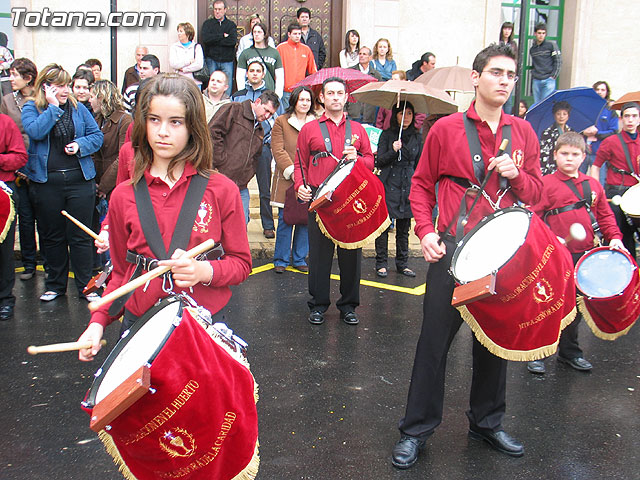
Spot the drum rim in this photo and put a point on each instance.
(478, 226)
(593, 251)
(122, 343)
(339, 167)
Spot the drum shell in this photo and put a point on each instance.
(534, 300)
(205, 398)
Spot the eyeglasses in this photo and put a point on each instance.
(497, 73)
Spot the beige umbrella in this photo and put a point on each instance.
(626, 98)
(390, 93)
(450, 79)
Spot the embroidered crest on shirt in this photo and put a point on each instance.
(518, 158)
(203, 217)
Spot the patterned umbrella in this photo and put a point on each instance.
(450, 79)
(354, 78)
(390, 93)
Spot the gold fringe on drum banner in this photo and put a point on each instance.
(514, 355)
(10, 218)
(582, 307)
(353, 246)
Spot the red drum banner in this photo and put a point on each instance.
(535, 290)
(357, 212)
(7, 211)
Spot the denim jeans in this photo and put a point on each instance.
(284, 101)
(543, 88)
(283, 249)
(226, 67)
(244, 195)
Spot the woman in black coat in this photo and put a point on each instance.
(397, 160)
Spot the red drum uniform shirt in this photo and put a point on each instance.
(310, 141)
(220, 217)
(611, 151)
(446, 152)
(556, 194)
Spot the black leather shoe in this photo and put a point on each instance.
(578, 363)
(350, 318)
(316, 317)
(405, 452)
(500, 441)
(537, 367)
(6, 312)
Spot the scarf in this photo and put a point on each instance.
(64, 129)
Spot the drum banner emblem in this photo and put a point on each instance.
(177, 442)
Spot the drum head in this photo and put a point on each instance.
(490, 244)
(140, 345)
(336, 178)
(603, 272)
(630, 201)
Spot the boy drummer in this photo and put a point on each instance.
(569, 197)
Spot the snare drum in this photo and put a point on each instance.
(608, 279)
(351, 207)
(195, 414)
(534, 296)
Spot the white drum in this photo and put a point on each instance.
(630, 201)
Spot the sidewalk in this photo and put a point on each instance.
(262, 247)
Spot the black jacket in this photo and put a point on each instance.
(545, 60)
(216, 45)
(316, 44)
(415, 71)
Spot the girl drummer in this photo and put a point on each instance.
(173, 146)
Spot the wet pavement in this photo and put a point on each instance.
(331, 395)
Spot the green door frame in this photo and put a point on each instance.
(530, 6)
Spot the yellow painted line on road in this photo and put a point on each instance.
(419, 290)
(40, 268)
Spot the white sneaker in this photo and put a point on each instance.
(92, 297)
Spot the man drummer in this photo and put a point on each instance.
(447, 161)
(622, 152)
(312, 168)
(570, 197)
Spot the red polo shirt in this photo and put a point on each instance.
(611, 151)
(556, 194)
(223, 221)
(12, 152)
(446, 152)
(310, 140)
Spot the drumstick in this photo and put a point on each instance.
(616, 199)
(61, 347)
(576, 232)
(304, 180)
(150, 275)
(81, 225)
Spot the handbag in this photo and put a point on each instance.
(295, 212)
(203, 74)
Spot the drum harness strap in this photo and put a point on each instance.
(327, 141)
(471, 133)
(627, 157)
(180, 238)
(583, 202)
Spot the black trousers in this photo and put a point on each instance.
(25, 206)
(7, 267)
(263, 176)
(320, 259)
(426, 393)
(568, 346)
(402, 245)
(62, 239)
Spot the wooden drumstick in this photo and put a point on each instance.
(81, 225)
(141, 280)
(61, 347)
(576, 232)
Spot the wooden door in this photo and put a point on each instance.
(326, 18)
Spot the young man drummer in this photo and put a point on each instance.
(173, 153)
(447, 161)
(569, 197)
(315, 169)
(621, 152)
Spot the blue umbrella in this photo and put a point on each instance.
(586, 106)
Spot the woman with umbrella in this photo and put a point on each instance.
(561, 111)
(399, 149)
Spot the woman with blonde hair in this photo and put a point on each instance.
(186, 56)
(113, 120)
(62, 137)
(383, 59)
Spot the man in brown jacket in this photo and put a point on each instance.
(237, 139)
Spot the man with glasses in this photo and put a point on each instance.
(545, 64)
(447, 160)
